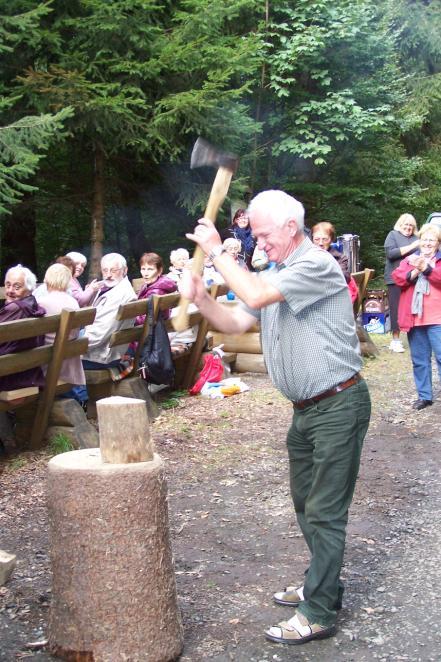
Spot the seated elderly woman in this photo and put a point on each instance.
(41, 290)
(178, 260)
(233, 247)
(84, 297)
(57, 280)
(323, 235)
(240, 229)
(20, 303)
(419, 309)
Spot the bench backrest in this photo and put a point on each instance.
(51, 355)
(160, 303)
(362, 279)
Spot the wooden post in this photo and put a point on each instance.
(113, 593)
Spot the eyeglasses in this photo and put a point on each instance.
(429, 241)
(114, 271)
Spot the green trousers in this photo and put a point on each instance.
(324, 449)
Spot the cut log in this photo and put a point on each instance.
(113, 592)
(7, 565)
(124, 430)
(248, 343)
(250, 363)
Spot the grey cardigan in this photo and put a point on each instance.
(394, 241)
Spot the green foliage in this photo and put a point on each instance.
(22, 145)
(336, 102)
(172, 399)
(60, 443)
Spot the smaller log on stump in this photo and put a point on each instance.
(114, 592)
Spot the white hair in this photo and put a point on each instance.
(280, 206)
(58, 277)
(233, 243)
(114, 257)
(179, 253)
(78, 258)
(30, 279)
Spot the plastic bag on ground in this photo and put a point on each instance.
(225, 388)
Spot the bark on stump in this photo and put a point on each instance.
(114, 592)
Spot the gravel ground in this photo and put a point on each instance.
(235, 539)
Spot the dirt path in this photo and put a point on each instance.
(234, 534)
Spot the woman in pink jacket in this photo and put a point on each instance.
(419, 309)
(84, 297)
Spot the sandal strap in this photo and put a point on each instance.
(294, 623)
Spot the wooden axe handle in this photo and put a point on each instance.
(218, 193)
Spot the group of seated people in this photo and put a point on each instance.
(61, 289)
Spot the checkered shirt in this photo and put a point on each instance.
(309, 340)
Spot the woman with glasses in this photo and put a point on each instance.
(240, 229)
(419, 311)
(400, 242)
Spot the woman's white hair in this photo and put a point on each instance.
(233, 243)
(58, 277)
(179, 253)
(30, 279)
(430, 228)
(78, 258)
(280, 206)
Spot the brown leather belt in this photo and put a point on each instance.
(327, 394)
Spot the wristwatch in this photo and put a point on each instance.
(215, 252)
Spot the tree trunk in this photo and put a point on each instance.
(97, 231)
(18, 236)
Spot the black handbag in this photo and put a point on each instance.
(156, 362)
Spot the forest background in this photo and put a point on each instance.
(335, 101)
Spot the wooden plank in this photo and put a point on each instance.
(28, 328)
(8, 396)
(125, 336)
(248, 343)
(249, 363)
(39, 326)
(31, 358)
(67, 319)
(130, 310)
(362, 279)
(198, 345)
(193, 319)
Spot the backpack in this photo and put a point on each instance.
(156, 362)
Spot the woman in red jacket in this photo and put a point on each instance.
(419, 310)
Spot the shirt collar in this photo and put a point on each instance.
(301, 249)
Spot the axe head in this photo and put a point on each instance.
(205, 154)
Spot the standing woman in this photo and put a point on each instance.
(240, 229)
(400, 242)
(419, 312)
(323, 235)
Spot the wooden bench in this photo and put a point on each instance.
(100, 383)
(362, 279)
(50, 355)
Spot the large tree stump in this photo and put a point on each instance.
(114, 593)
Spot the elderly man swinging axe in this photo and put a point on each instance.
(312, 354)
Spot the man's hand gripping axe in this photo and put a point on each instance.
(204, 154)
